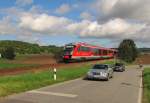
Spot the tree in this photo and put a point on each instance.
(127, 50)
(8, 53)
(58, 55)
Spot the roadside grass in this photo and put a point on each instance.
(20, 83)
(12, 66)
(28, 81)
(146, 82)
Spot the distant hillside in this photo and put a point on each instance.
(28, 48)
(144, 50)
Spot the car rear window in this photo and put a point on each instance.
(100, 67)
(118, 64)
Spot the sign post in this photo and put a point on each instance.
(55, 77)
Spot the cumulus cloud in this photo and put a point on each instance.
(24, 2)
(44, 23)
(114, 28)
(6, 27)
(132, 9)
(64, 8)
(86, 15)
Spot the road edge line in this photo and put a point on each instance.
(57, 84)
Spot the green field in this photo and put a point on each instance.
(12, 66)
(24, 82)
(20, 83)
(146, 81)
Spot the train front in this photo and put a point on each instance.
(68, 51)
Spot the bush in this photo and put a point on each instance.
(58, 55)
(8, 53)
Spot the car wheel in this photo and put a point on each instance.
(112, 76)
(85, 78)
(107, 79)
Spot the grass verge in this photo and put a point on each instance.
(29, 81)
(146, 82)
(20, 83)
(11, 65)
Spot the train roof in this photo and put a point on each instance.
(90, 45)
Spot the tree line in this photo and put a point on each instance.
(27, 48)
(127, 50)
(9, 49)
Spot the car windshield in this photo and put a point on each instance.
(100, 67)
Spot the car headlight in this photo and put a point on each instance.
(103, 74)
(89, 73)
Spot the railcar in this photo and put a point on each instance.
(84, 51)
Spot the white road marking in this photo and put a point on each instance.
(54, 93)
(140, 90)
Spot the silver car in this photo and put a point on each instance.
(100, 71)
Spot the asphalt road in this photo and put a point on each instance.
(124, 87)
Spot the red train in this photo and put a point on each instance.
(83, 51)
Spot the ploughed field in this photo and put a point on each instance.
(143, 59)
(33, 63)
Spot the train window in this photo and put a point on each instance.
(82, 48)
(100, 52)
(110, 52)
(95, 51)
(105, 52)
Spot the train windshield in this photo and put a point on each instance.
(68, 49)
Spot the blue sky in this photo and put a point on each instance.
(57, 22)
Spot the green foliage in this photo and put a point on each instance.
(146, 82)
(127, 50)
(144, 50)
(58, 55)
(27, 48)
(8, 53)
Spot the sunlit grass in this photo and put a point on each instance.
(146, 81)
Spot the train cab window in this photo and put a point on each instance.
(68, 49)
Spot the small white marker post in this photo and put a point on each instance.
(55, 74)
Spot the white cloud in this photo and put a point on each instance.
(64, 8)
(6, 27)
(24, 2)
(131, 9)
(86, 15)
(116, 28)
(44, 23)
